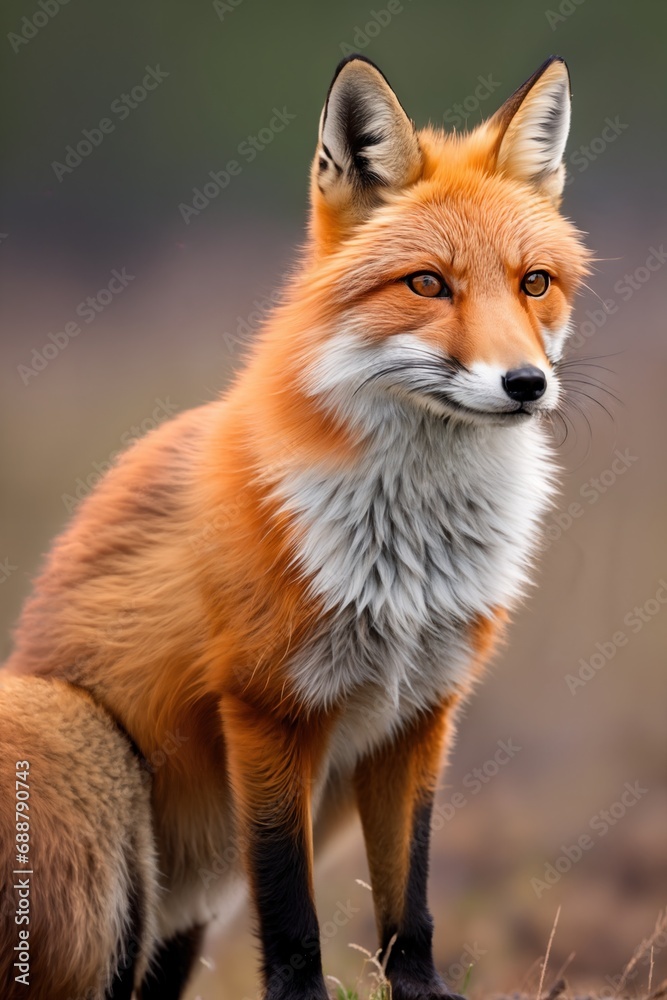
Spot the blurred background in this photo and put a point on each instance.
(127, 295)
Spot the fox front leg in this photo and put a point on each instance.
(171, 967)
(395, 789)
(271, 764)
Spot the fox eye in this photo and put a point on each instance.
(428, 284)
(535, 283)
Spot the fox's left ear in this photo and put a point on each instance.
(367, 147)
(533, 125)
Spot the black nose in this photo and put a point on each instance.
(525, 384)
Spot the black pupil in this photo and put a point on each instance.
(428, 282)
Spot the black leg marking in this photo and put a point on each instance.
(288, 928)
(410, 967)
(172, 966)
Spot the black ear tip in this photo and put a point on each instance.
(541, 70)
(356, 57)
(551, 60)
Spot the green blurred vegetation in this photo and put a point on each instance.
(227, 70)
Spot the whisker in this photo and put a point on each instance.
(569, 376)
(566, 365)
(584, 416)
(593, 292)
(557, 415)
(568, 424)
(598, 403)
(592, 384)
(593, 357)
(442, 367)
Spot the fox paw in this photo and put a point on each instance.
(410, 989)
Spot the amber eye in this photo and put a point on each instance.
(536, 283)
(428, 284)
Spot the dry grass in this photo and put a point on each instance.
(372, 983)
(561, 990)
(372, 978)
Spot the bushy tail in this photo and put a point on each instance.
(77, 861)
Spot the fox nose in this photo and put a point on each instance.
(525, 384)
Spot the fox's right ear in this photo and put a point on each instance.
(367, 146)
(533, 125)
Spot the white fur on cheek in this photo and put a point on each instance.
(555, 340)
(340, 376)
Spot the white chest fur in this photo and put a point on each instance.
(434, 527)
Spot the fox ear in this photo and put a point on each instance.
(533, 128)
(367, 146)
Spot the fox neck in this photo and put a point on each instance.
(431, 518)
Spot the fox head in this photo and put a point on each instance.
(441, 270)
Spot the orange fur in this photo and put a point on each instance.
(390, 785)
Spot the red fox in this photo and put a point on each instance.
(293, 587)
